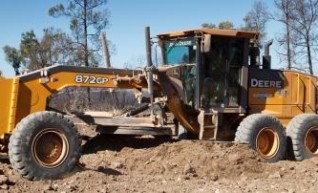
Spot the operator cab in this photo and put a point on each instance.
(211, 64)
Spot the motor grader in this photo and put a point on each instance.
(211, 83)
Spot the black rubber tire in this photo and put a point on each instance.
(297, 130)
(253, 125)
(28, 143)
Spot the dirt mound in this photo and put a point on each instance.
(202, 158)
(128, 164)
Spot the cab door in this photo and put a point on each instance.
(222, 75)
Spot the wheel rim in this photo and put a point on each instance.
(50, 148)
(311, 140)
(267, 142)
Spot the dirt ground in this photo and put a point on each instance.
(127, 164)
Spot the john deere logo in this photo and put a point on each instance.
(256, 83)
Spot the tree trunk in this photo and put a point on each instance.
(289, 57)
(86, 49)
(309, 55)
(85, 34)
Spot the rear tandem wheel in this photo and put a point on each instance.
(264, 134)
(303, 132)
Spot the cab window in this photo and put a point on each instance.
(179, 51)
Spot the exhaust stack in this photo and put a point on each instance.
(149, 68)
(267, 57)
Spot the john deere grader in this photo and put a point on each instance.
(210, 83)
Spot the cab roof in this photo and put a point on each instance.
(212, 31)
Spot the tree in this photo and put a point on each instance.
(304, 17)
(256, 19)
(13, 56)
(33, 57)
(288, 38)
(222, 25)
(300, 18)
(54, 47)
(87, 19)
(0, 73)
(226, 25)
(58, 47)
(208, 25)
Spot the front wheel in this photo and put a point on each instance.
(44, 145)
(265, 134)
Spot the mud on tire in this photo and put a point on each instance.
(265, 134)
(44, 145)
(303, 133)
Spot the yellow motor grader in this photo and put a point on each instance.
(210, 83)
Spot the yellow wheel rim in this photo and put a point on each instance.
(50, 148)
(267, 142)
(311, 140)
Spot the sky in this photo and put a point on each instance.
(128, 19)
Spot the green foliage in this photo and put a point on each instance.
(87, 19)
(13, 56)
(226, 25)
(222, 25)
(54, 47)
(208, 25)
(31, 51)
(39, 53)
(57, 10)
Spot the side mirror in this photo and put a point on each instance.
(206, 43)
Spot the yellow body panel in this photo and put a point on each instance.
(298, 95)
(8, 104)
